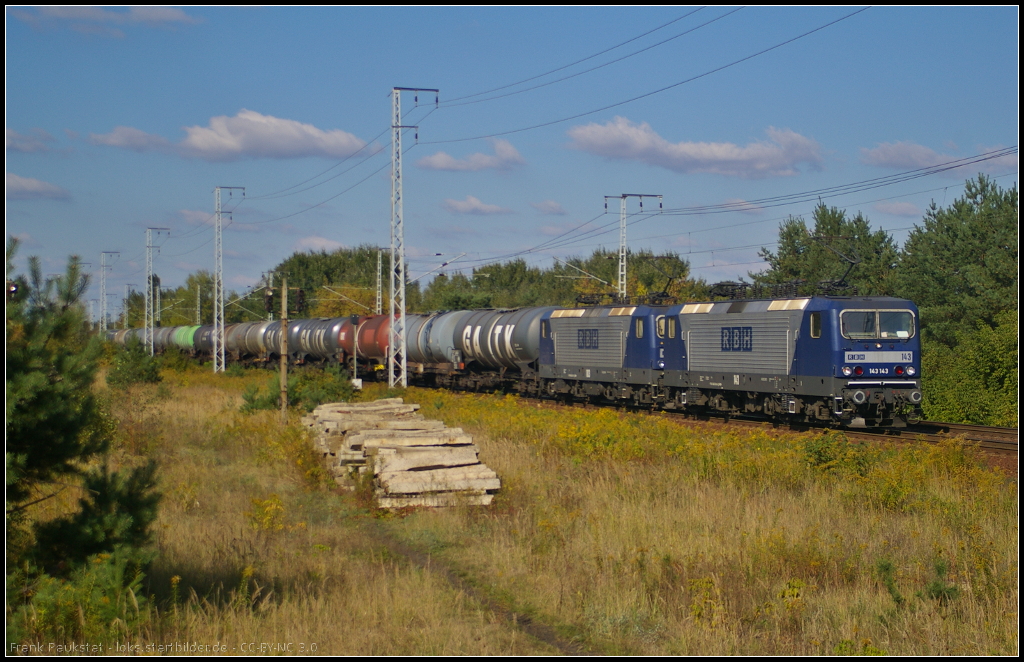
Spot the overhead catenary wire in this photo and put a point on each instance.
(651, 93)
(573, 64)
(451, 104)
(563, 240)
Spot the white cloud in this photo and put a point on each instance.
(505, 157)
(195, 216)
(246, 135)
(744, 207)
(26, 240)
(315, 244)
(549, 208)
(1001, 164)
(472, 205)
(252, 135)
(26, 188)
(903, 155)
(97, 21)
(35, 142)
(626, 140)
(898, 208)
(127, 137)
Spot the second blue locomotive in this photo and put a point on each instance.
(850, 360)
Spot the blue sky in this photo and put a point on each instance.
(121, 119)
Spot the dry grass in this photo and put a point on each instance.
(256, 552)
(642, 537)
(626, 532)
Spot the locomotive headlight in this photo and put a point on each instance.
(847, 371)
(911, 371)
(661, 364)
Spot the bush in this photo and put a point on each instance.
(307, 388)
(175, 359)
(133, 365)
(100, 600)
(977, 381)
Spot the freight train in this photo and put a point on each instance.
(843, 361)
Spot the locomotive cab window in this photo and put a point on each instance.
(544, 329)
(877, 324)
(815, 325)
(659, 324)
(639, 327)
(671, 327)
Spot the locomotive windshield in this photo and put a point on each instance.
(877, 324)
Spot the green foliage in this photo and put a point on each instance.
(174, 358)
(887, 574)
(802, 257)
(355, 267)
(961, 267)
(53, 420)
(307, 388)
(938, 589)
(132, 364)
(102, 599)
(513, 284)
(56, 430)
(976, 381)
(833, 453)
(115, 513)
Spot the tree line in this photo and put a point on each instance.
(959, 265)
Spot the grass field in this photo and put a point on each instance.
(624, 532)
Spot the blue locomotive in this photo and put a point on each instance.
(849, 361)
(854, 361)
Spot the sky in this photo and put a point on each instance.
(123, 119)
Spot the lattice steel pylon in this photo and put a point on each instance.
(150, 318)
(103, 289)
(397, 362)
(219, 349)
(379, 308)
(621, 290)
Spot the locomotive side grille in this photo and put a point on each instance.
(765, 349)
(604, 343)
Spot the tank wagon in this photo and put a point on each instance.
(847, 361)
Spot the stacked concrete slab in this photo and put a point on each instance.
(414, 461)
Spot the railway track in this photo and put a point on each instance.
(991, 439)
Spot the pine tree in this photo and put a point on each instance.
(56, 430)
(816, 258)
(960, 267)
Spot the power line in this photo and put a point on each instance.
(573, 64)
(648, 94)
(563, 240)
(600, 66)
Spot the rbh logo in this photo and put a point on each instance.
(586, 339)
(737, 339)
